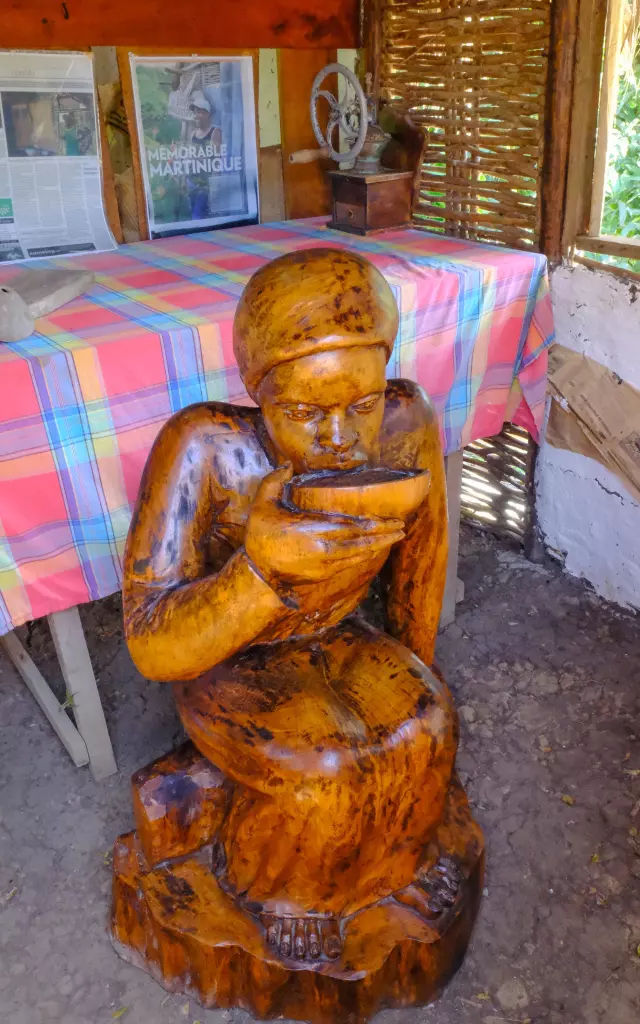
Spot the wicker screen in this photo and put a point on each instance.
(473, 73)
(497, 483)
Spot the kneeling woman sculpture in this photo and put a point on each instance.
(310, 852)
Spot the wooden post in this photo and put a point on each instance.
(608, 105)
(557, 131)
(584, 120)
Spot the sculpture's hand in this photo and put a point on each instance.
(304, 547)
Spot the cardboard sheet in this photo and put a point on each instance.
(595, 413)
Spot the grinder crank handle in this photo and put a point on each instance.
(308, 156)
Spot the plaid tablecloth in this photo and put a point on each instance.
(83, 398)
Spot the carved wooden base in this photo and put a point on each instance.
(172, 917)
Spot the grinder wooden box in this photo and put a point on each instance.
(363, 203)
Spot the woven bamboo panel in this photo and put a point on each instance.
(497, 483)
(473, 73)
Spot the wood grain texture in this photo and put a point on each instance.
(272, 206)
(362, 204)
(306, 186)
(179, 924)
(179, 803)
(331, 847)
(111, 208)
(37, 25)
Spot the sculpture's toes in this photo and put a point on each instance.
(303, 937)
(417, 899)
(435, 891)
(274, 928)
(448, 872)
(314, 941)
(331, 939)
(442, 883)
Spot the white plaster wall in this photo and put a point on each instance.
(586, 515)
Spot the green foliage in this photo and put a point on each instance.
(153, 89)
(621, 214)
(168, 194)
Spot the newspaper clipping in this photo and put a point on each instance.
(50, 180)
(197, 131)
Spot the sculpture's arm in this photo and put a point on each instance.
(179, 621)
(416, 571)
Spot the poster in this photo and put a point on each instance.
(50, 179)
(197, 135)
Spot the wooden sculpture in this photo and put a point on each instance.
(309, 853)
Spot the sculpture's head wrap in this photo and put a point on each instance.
(310, 301)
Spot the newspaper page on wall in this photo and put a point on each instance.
(197, 135)
(50, 178)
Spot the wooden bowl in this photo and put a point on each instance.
(382, 492)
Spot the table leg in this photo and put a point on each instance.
(73, 655)
(454, 588)
(54, 712)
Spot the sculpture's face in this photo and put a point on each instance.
(325, 411)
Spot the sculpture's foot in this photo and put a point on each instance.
(435, 891)
(176, 922)
(304, 938)
(433, 895)
(172, 917)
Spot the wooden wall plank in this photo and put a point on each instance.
(306, 186)
(111, 208)
(124, 68)
(75, 24)
(271, 185)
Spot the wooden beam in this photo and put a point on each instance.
(76, 24)
(608, 105)
(631, 276)
(557, 130)
(610, 245)
(111, 208)
(584, 119)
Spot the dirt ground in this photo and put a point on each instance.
(547, 681)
